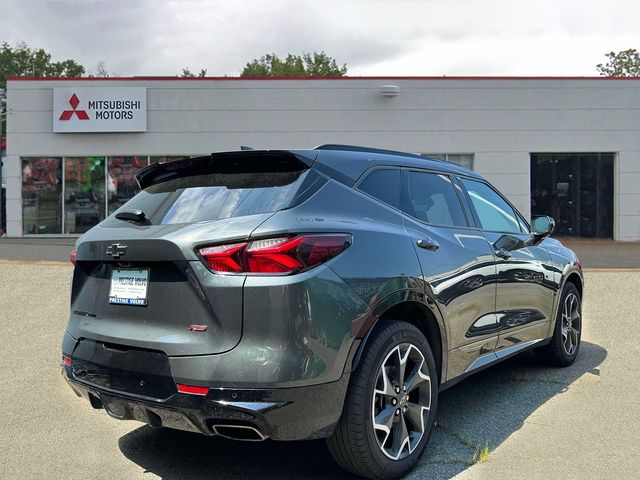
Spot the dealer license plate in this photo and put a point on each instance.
(129, 286)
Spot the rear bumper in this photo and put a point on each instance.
(299, 413)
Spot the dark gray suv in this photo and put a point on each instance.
(305, 294)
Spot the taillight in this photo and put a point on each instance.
(282, 255)
(66, 360)
(73, 255)
(224, 258)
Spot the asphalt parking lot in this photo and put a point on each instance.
(537, 422)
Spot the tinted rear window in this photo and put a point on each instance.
(384, 184)
(216, 196)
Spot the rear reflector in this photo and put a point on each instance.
(281, 255)
(193, 389)
(73, 255)
(66, 361)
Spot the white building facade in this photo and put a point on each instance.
(568, 147)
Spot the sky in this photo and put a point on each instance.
(373, 37)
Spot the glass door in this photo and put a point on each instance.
(576, 189)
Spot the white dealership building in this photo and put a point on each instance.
(568, 147)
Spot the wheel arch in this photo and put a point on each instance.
(422, 316)
(574, 278)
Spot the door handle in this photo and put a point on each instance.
(428, 244)
(502, 253)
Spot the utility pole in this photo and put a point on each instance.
(2, 115)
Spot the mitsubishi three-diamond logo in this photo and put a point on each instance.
(67, 114)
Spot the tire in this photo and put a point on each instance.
(565, 343)
(359, 447)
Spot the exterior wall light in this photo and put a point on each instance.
(389, 91)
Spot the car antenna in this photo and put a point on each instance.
(245, 147)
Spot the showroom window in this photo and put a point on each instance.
(462, 159)
(41, 195)
(69, 195)
(121, 180)
(168, 159)
(84, 198)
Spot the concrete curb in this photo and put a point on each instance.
(596, 270)
(4, 261)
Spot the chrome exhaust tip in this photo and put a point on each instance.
(238, 432)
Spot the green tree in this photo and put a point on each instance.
(625, 63)
(316, 64)
(21, 60)
(186, 73)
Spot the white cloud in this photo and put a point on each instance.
(374, 37)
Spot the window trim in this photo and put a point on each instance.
(475, 213)
(404, 190)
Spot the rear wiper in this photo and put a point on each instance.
(135, 216)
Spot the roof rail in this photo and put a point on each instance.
(355, 148)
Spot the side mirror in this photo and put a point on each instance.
(542, 226)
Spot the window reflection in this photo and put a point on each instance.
(87, 193)
(197, 204)
(84, 193)
(121, 179)
(462, 159)
(165, 159)
(41, 195)
(494, 212)
(432, 199)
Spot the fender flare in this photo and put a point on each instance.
(391, 300)
(563, 281)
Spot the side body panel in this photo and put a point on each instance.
(460, 277)
(379, 269)
(525, 293)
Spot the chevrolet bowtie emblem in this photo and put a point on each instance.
(116, 250)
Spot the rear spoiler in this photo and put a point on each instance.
(247, 161)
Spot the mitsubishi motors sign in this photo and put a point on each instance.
(99, 109)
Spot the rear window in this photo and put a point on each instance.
(383, 184)
(216, 196)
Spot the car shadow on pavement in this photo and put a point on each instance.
(483, 410)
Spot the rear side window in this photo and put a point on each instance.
(431, 198)
(493, 211)
(217, 196)
(383, 184)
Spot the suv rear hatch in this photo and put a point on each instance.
(139, 281)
